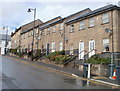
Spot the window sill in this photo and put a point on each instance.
(104, 23)
(81, 29)
(91, 26)
(60, 29)
(71, 32)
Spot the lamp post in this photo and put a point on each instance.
(6, 43)
(112, 54)
(30, 10)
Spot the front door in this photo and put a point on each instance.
(81, 50)
(91, 48)
(47, 49)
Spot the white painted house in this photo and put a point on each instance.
(3, 43)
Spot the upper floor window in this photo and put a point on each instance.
(42, 32)
(53, 46)
(82, 25)
(61, 26)
(105, 18)
(72, 28)
(48, 30)
(54, 29)
(37, 30)
(91, 22)
(105, 45)
(31, 32)
(24, 36)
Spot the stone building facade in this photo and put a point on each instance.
(85, 32)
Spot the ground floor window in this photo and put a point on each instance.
(71, 49)
(53, 46)
(61, 46)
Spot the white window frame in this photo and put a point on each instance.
(54, 29)
(105, 18)
(61, 46)
(32, 32)
(71, 49)
(82, 25)
(48, 30)
(37, 30)
(105, 44)
(91, 51)
(53, 46)
(81, 50)
(61, 26)
(91, 22)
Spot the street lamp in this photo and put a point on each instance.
(30, 10)
(6, 43)
(112, 54)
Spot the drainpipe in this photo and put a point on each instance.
(64, 39)
(112, 55)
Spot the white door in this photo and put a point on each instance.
(81, 50)
(53, 46)
(91, 48)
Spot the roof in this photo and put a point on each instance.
(97, 11)
(44, 24)
(52, 21)
(31, 25)
(78, 12)
(60, 20)
(3, 37)
(28, 26)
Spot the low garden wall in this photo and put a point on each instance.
(97, 69)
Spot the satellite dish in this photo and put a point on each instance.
(108, 30)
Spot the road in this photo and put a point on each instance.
(17, 75)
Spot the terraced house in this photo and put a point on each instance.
(23, 36)
(83, 33)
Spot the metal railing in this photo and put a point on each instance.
(86, 56)
(76, 55)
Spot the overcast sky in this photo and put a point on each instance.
(14, 13)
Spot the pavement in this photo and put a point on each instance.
(74, 72)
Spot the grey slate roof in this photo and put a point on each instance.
(3, 37)
(108, 7)
(49, 24)
(60, 20)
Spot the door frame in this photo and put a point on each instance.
(81, 55)
(93, 52)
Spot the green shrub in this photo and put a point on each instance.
(97, 59)
(13, 51)
(58, 57)
(52, 56)
(62, 52)
(61, 59)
